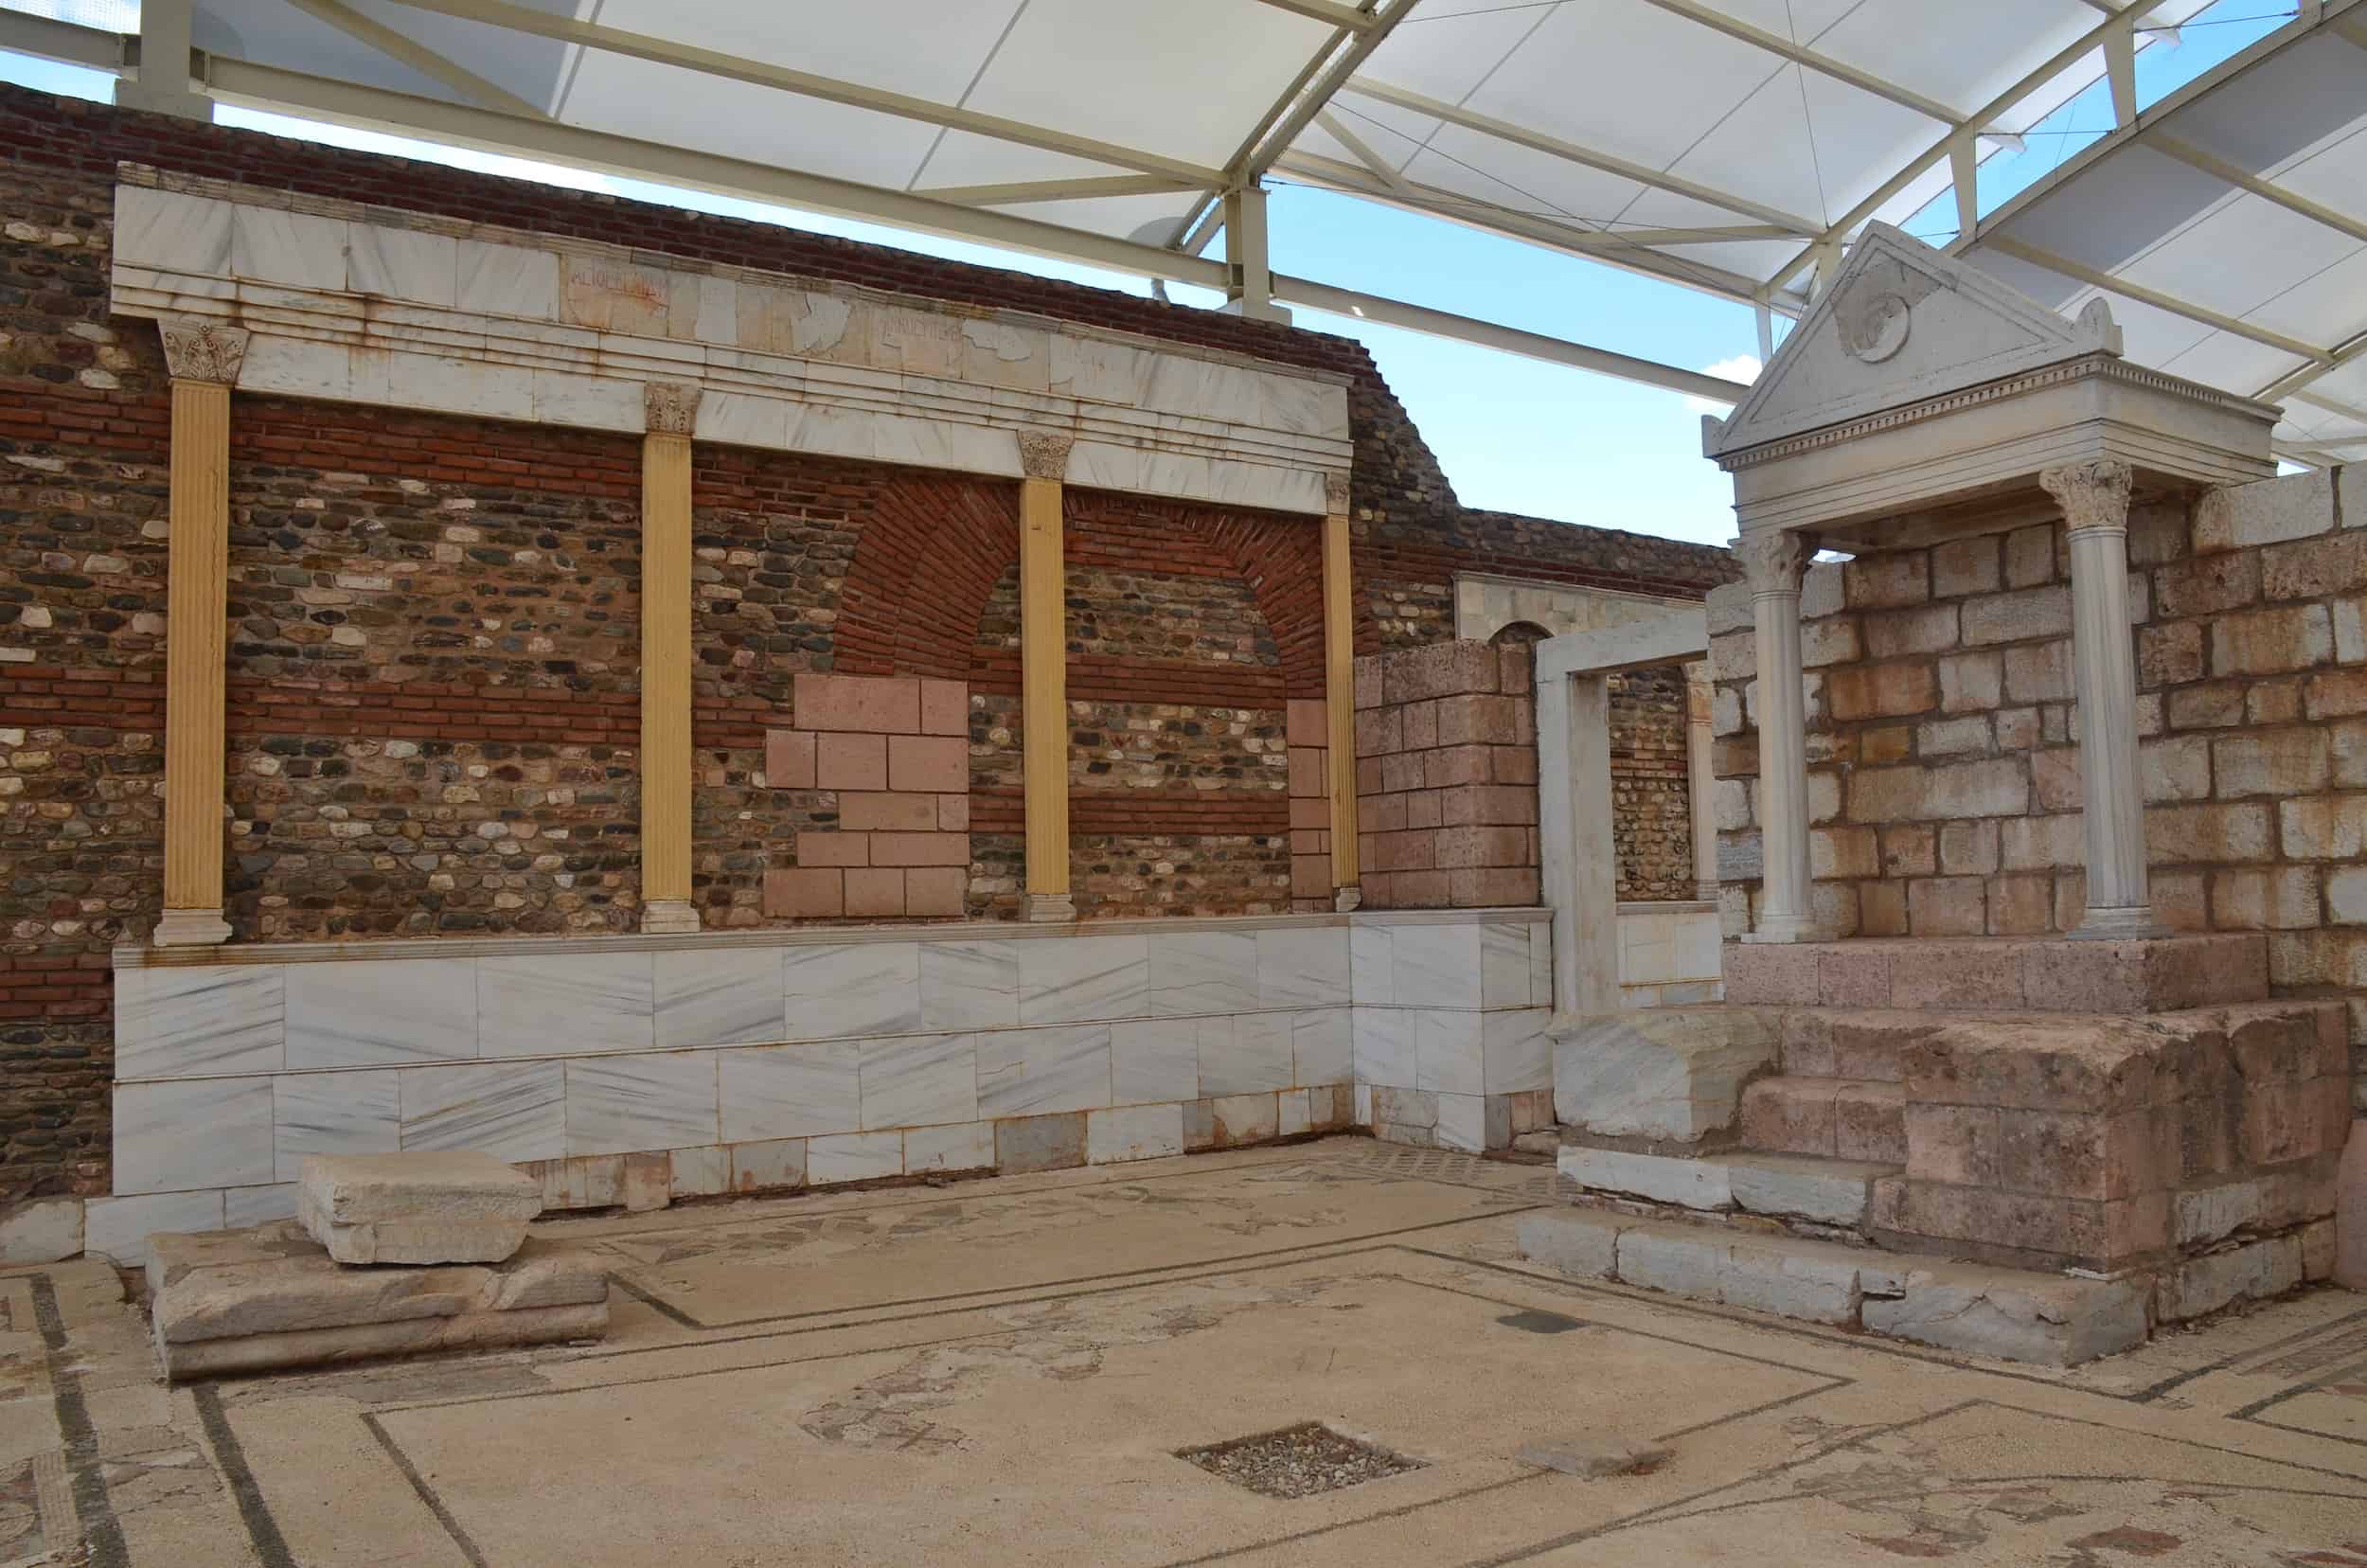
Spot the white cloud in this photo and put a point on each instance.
(1742, 368)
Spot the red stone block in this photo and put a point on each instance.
(1421, 726)
(935, 889)
(851, 762)
(1451, 765)
(1310, 876)
(944, 708)
(1307, 770)
(1491, 886)
(1789, 1116)
(1314, 812)
(1422, 890)
(1380, 732)
(1952, 1143)
(1488, 804)
(920, 849)
(876, 704)
(875, 892)
(842, 850)
(1869, 1123)
(1480, 847)
(954, 813)
(1493, 720)
(789, 760)
(1516, 764)
(1306, 721)
(1424, 809)
(801, 893)
(868, 811)
(928, 762)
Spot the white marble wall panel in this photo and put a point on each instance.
(565, 1003)
(334, 1113)
(854, 1157)
(768, 1163)
(1448, 1043)
(175, 1020)
(361, 1013)
(117, 1228)
(1463, 1123)
(617, 1105)
(1193, 972)
(1503, 966)
(1371, 977)
(1303, 969)
(861, 988)
(790, 1091)
(1254, 1053)
(701, 1172)
(508, 280)
(1133, 1132)
(167, 228)
(1385, 1045)
(1155, 1059)
(1542, 963)
(516, 1110)
(274, 246)
(968, 1146)
(717, 996)
(410, 264)
(1515, 1052)
(968, 985)
(202, 1133)
(1032, 1072)
(1322, 1047)
(246, 1206)
(1436, 966)
(1076, 978)
(918, 1080)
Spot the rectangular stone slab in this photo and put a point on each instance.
(364, 1341)
(350, 1189)
(425, 1240)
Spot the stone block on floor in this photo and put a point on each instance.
(2011, 1314)
(424, 1206)
(1659, 1072)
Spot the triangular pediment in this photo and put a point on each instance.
(1902, 321)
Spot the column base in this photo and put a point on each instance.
(2118, 922)
(190, 927)
(1786, 928)
(1705, 892)
(1046, 908)
(669, 917)
(1347, 900)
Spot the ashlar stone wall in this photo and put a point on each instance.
(1944, 766)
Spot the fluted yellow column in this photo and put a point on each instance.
(204, 359)
(665, 905)
(1044, 673)
(1340, 692)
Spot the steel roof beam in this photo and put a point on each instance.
(1346, 18)
(2219, 168)
(1775, 43)
(2155, 297)
(1053, 190)
(387, 41)
(595, 35)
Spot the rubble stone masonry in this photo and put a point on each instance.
(1944, 770)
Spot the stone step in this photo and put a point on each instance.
(2002, 973)
(1853, 1042)
(2009, 1314)
(1827, 1192)
(1843, 1118)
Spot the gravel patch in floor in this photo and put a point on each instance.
(1298, 1461)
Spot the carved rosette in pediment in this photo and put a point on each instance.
(197, 349)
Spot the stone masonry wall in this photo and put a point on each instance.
(1650, 789)
(1445, 778)
(1944, 770)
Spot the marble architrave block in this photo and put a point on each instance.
(365, 1013)
(1155, 1059)
(334, 1113)
(1385, 1048)
(919, 1080)
(1033, 1072)
(566, 1003)
(172, 1019)
(860, 988)
(1503, 966)
(621, 1105)
(1322, 1047)
(969, 985)
(790, 1091)
(1074, 979)
(1303, 969)
(1251, 1056)
(514, 1109)
(1436, 966)
(275, 245)
(401, 263)
(1447, 1047)
(202, 1133)
(717, 996)
(1193, 972)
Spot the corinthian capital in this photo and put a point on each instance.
(197, 349)
(2093, 495)
(673, 407)
(1044, 453)
(1772, 562)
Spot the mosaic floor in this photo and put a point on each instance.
(1003, 1372)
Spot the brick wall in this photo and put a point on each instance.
(1944, 769)
(1446, 777)
(1651, 795)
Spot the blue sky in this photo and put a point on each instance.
(1512, 434)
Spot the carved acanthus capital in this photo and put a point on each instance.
(197, 349)
(1044, 453)
(1336, 494)
(671, 407)
(2093, 495)
(1774, 562)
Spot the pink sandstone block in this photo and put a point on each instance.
(876, 704)
(1310, 876)
(1307, 771)
(1854, 978)
(838, 850)
(1869, 1123)
(2350, 1211)
(1955, 975)
(851, 762)
(954, 813)
(1789, 1116)
(1421, 725)
(920, 849)
(804, 893)
(935, 889)
(874, 812)
(789, 760)
(1313, 811)
(1306, 721)
(1772, 974)
(875, 892)
(935, 763)
(944, 708)
(1490, 887)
